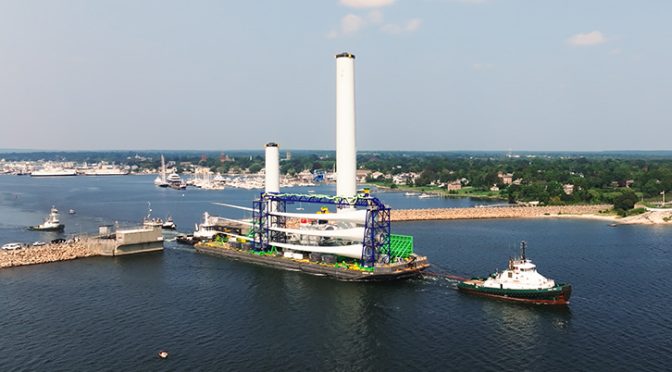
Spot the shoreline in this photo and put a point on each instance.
(495, 212)
(587, 212)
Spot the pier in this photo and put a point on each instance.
(47, 253)
(495, 212)
(120, 243)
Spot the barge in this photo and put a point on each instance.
(350, 242)
(349, 271)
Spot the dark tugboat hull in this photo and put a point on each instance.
(558, 295)
(58, 228)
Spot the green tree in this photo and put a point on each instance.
(625, 201)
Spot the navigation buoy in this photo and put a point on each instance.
(163, 354)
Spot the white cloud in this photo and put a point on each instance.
(411, 25)
(587, 39)
(366, 3)
(350, 25)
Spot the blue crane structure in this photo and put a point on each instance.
(376, 241)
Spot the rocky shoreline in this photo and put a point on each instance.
(594, 212)
(497, 212)
(47, 253)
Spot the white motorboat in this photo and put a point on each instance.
(175, 182)
(174, 177)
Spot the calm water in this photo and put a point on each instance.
(214, 314)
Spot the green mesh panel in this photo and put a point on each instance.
(401, 245)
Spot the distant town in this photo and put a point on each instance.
(623, 179)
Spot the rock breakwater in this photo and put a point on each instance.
(30, 255)
(495, 212)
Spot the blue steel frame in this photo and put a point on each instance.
(263, 220)
(376, 244)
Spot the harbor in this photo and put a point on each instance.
(344, 185)
(195, 293)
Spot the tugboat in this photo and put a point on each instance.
(51, 223)
(151, 222)
(520, 282)
(207, 230)
(168, 224)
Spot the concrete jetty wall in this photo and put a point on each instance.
(494, 212)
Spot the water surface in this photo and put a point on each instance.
(215, 314)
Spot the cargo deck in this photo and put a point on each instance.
(342, 271)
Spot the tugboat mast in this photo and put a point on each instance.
(523, 245)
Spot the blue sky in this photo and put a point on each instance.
(430, 74)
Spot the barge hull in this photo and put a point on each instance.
(410, 270)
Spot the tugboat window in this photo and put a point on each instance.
(510, 275)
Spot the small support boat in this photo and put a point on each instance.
(151, 222)
(168, 224)
(51, 223)
(187, 239)
(520, 282)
